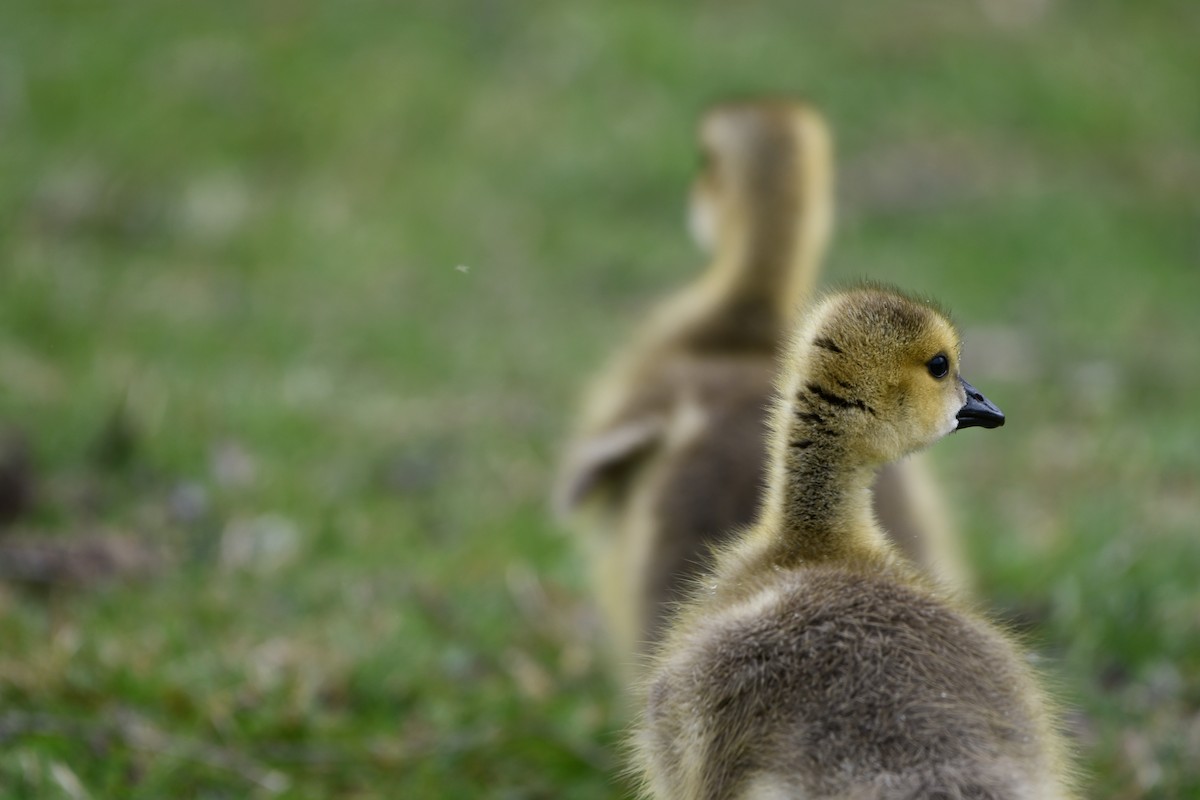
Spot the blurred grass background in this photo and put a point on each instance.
(302, 293)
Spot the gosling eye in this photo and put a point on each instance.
(939, 366)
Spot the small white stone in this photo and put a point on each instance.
(233, 466)
(264, 543)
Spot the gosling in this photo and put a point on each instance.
(672, 449)
(814, 661)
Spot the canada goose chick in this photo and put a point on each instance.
(816, 663)
(671, 454)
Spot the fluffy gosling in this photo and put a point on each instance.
(814, 661)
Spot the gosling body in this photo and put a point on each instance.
(815, 661)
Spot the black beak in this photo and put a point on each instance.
(979, 411)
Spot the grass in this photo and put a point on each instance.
(335, 273)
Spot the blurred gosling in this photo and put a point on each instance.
(671, 451)
(815, 661)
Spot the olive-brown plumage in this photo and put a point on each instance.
(670, 455)
(814, 661)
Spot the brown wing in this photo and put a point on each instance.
(606, 457)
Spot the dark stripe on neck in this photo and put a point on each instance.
(837, 400)
(826, 343)
(810, 416)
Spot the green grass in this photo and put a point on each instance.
(238, 227)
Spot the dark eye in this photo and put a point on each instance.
(939, 366)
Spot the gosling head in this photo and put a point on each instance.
(754, 152)
(881, 371)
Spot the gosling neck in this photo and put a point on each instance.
(819, 507)
(770, 247)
